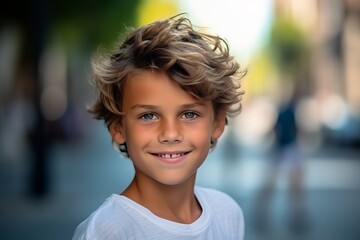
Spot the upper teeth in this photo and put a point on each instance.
(166, 155)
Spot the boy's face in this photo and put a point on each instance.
(167, 131)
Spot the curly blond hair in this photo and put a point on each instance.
(200, 63)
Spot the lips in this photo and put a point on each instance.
(170, 157)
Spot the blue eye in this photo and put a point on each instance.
(189, 115)
(148, 116)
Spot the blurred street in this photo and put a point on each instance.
(84, 174)
(291, 159)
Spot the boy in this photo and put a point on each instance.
(165, 95)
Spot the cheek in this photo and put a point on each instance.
(138, 135)
(200, 134)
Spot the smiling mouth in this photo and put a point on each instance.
(170, 155)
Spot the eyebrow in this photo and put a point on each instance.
(153, 107)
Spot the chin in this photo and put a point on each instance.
(174, 181)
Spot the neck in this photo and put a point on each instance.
(172, 202)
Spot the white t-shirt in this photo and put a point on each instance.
(121, 218)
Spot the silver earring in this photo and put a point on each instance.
(123, 149)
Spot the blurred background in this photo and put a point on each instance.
(291, 159)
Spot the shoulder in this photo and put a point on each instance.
(213, 196)
(104, 221)
(220, 203)
(226, 213)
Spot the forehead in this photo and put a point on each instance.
(156, 88)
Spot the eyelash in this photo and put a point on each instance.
(195, 115)
(182, 116)
(143, 116)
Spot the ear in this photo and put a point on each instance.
(219, 124)
(116, 132)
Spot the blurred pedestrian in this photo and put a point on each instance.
(287, 159)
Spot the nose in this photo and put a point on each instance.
(170, 132)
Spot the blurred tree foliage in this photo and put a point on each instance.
(93, 22)
(88, 22)
(80, 25)
(285, 57)
(152, 10)
(288, 46)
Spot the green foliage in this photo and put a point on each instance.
(89, 22)
(288, 45)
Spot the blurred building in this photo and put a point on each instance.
(333, 28)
